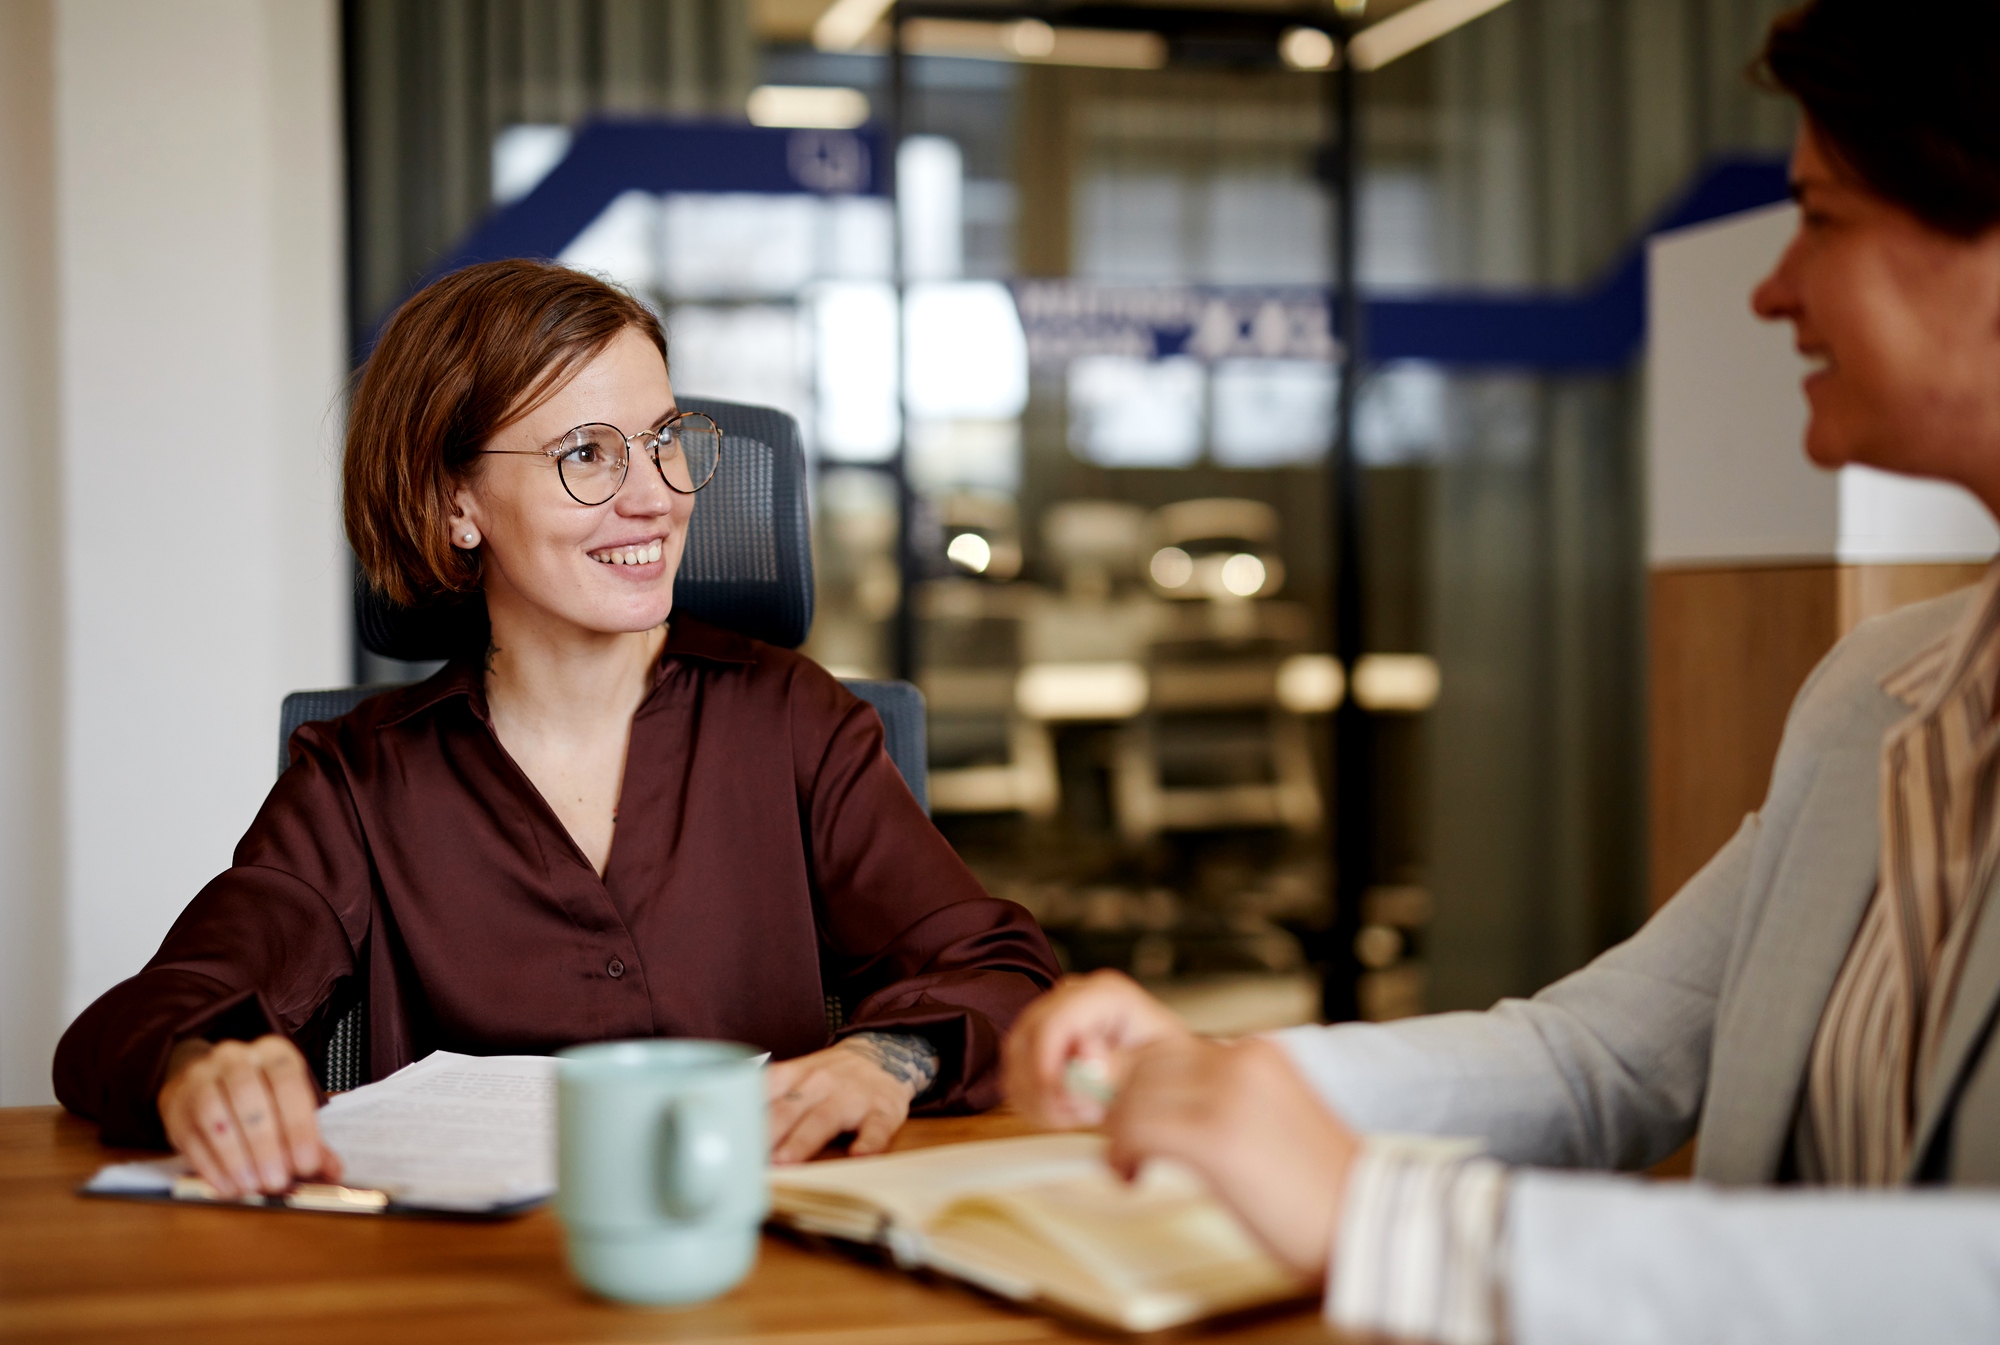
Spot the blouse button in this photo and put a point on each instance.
(616, 968)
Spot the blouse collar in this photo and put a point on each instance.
(687, 638)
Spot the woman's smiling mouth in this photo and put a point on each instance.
(642, 553)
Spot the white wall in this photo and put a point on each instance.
(1727, 476)
(197, 363)
(30, 592)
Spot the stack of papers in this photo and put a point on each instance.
(451, 1134)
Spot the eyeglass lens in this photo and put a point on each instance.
(593, 459)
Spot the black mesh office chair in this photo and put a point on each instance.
(747, 568)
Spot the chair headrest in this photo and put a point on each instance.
(747, 566)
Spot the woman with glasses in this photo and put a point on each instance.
(610, 822)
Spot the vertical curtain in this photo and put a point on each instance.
(431, 82)
(1564, 126)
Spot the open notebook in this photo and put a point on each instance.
(1042, 1219)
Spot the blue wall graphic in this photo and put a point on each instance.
(1600, 328)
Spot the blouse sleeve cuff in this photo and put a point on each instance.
(1419, 1249)
(243, 1016)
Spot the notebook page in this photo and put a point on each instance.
(913, 1186)
(1141, 1256)
(451, 1131)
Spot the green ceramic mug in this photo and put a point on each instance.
(661, 1157)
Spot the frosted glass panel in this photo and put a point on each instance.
(967, 356)
(1130, 226)
(737, 245)
(620, 244)
(858, 235)
(1265, 230)
(930, 177)
(1401, 418)
(524, 155)
(1126, 412)
(854, 337)
(1273, 413)
(756, 353)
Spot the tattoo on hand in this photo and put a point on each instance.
(903, 1056)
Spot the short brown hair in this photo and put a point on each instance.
(1907, 98)
(465, 357)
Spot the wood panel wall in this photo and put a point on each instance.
(1728, 650)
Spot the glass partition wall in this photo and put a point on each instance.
(1116, 405)
(1122, 608)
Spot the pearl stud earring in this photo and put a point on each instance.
(468, 538)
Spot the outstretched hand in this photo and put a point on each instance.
(1242, 1116)
(1237, 1113)
(1100, 1020)
(246, 1115)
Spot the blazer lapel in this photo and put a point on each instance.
(1965, 1028)
(1771, 1011)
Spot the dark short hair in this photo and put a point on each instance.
(464, 358)
(1905, 96)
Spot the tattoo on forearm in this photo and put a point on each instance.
(903, 1056)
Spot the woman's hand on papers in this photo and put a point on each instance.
(246, 1114)
(1099, 1020)
(863, 1084)
(1241, 1116)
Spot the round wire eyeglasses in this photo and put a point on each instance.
(592, 460)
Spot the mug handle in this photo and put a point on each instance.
(695, 1154)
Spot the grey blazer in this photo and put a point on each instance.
(1700, 1025)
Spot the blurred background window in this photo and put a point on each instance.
(1272, 413)
(1130, 412)
(1118, 394)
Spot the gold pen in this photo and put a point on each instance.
(304, 1196)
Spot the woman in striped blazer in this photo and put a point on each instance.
(1817, 1005)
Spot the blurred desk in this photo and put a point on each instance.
(73, 1269)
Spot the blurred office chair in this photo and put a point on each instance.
(1096, 547)
(747, 568)
(986, 756)
(1218, 747)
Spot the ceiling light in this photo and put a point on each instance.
(846, 22)
(1306, 49)
(832, 109)
(1171, 567)
(970, 551)
(1243, 575)
(1034, 40)
(1311, 684)
(1403, 32)
(1030, 38)
(1081, 690)
(1396, 683)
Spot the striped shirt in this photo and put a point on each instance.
(1420, 1251)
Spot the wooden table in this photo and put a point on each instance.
(73, 1269)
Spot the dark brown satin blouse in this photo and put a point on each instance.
(767, 853)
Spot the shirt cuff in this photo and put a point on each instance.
(1419, 1249)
